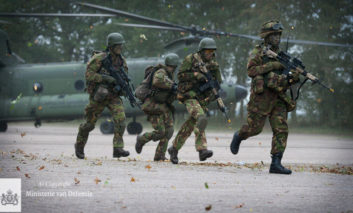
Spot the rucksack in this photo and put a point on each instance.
(144, 89)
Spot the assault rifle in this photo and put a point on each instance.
(291, 63)
(213, 85)
(122, 81)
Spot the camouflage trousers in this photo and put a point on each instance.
(92, 112)
(278, 122)
(161, 118)
(196, 112)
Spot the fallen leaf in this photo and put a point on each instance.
(206, 185)
(18, 168)
(217, 138)
(143, 36)
(132, 179)
(23, 134)
(106, 182)
(76, 181)
(173, 187)
(41, 168)
(208, 208)
(240, 206)
(27, 175)
(260, 143)
(78, 173)
(148, 167)
(97, 180)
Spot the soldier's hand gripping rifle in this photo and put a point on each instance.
(213, 85)
(122, 81)
(294, 64)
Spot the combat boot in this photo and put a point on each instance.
(204, 154)
(120, 152)
(79, 151)
(160, 158)
(276, 166)
(173, 152)
(139, 144)
(234, 146)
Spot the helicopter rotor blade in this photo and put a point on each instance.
(150, 26)
(319, 43)
(131, 15)
(55, 15)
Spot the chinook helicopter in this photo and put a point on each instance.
(55, 91)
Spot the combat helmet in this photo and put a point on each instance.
(270, 27)
(115, 38)
(171, 59)
(207, 43)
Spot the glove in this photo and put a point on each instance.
(107, 79)
(200, 77)
(275, 65)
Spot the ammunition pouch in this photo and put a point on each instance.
(101, 93)
(290, 104)
(257, 84)
(275, 81)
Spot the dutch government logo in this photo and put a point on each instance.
(10, 189)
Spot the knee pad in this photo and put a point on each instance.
(86, 127)
(119, 128)
(201, 123)
(169, 132)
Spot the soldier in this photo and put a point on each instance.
(158, 107)
(268, 97)
(190, 78)
(100, 88)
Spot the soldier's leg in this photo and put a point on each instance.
(195, 111)
(92, 112)
(255, 124)
(163, 143)
(116, 108)
(158, 133)
(278, 121)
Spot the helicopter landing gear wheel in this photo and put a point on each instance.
(107, 127)
(3, 126)
(134, 128)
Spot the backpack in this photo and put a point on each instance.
(144, 89)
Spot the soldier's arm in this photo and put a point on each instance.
(161, 80)
(126, 69)
(255, 66)
(214, 68)
(185, 72)
(93, 66)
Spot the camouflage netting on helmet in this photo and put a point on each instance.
(270, 27)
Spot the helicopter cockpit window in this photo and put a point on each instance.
(37, 87)
(79, 85)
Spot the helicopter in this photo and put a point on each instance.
(55, 91)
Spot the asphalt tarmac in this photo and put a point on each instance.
(53, 180)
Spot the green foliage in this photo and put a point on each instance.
(65, 39)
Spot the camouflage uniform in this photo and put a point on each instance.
(94, 78)
(268, 98)
(189, 76)
(159, 110)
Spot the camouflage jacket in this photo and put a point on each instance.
(188, 86)
(267, 84)
(162, 83)
(95, 70)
